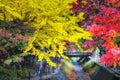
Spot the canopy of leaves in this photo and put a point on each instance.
(53, 22)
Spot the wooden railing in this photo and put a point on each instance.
(77, 54)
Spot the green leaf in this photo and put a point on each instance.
(8, 61)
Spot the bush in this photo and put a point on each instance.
(9, 74)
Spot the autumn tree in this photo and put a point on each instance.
(53, 22)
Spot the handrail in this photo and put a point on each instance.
(77, 54)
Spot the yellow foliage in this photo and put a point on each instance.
(53, 21)
(12, 9)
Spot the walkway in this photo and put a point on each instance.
(60, 75)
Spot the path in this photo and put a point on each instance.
(60, 75)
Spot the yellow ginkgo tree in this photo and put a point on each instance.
(12, 9)
(54, 22)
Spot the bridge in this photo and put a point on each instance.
(77, 54)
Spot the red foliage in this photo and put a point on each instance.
(4, 33)
(21, 37)
(114, 3)
(67, 44)
(89, 7)
(112, 57)
(88, 43)
(109, 17)
(97, 30)
(107, 27)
